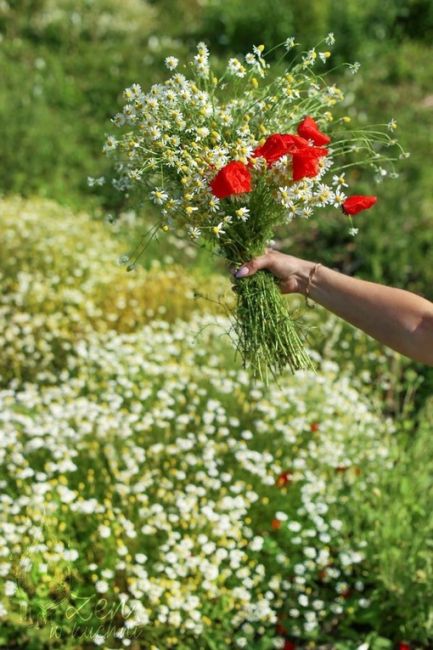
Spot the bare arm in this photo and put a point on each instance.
(399, 319)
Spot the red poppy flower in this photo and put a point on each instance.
(323, 574)
(276, 524)
(284, 479)
(309, 130)
(306, 162)
(280, 629)
(278, 145)
(233, 178)
(355, 204)
(289, 645)
(403, 645)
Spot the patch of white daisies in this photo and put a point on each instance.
(152, 475)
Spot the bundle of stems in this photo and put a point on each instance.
(266, 335)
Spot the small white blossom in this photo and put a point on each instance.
(171, 62)
(159, 196)
(202, 132)
(242, 213)
(310, 58)
(102, 586)
(110, 144)
(218, 230)
(236, 68)
(10, 588)
(104, 531)
(194, 232)
(71, 555)
(324, 56)
(340, 180)
(201, 60)
(155, 133)
(303, 600)
(93, 182)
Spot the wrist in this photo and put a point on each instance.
(303, 275)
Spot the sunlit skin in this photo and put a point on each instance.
(399, 319)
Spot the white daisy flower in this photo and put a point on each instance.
(171, 62)
(102, 586)
(159, 196)
(219, 229)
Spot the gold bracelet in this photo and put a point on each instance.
(307, 288)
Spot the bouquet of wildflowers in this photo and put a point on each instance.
(230, 157)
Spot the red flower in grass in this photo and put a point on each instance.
(306, 162)
(280, 629)
(233, 178)
(354, 204)
(323, 575)
(309, 130)
(289, 645)
(276, 524)
(285, 478)
(314, 426)
(278, 145)
(403, 645)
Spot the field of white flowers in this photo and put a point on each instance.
(153, 497)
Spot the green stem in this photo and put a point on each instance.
(267, 337)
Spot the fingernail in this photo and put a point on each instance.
(243, 271)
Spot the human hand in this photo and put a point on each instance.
(291, 272)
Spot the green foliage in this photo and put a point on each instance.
(226, 23)
(63, 67)
(60, 280)
(61, 22)
(399, 520)
(116, 401)
(151, 471)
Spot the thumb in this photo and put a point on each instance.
(254, 265)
